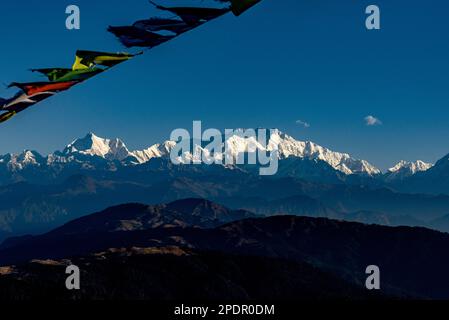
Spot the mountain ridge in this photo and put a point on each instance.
(303, 159)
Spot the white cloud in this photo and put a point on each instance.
(372, 121)
(303, 123)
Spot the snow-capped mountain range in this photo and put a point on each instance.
(114, 150)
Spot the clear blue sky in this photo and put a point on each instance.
(282, 61)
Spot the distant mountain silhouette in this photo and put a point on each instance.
(29, 209)
(434, 180)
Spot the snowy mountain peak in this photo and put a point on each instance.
(290, 147)
(29, 157)
(155, 151)
(343, 162)
(92, 145)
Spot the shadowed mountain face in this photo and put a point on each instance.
(130, 217)
(341, 249)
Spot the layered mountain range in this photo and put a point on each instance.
(193, 249)
(38, 192)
